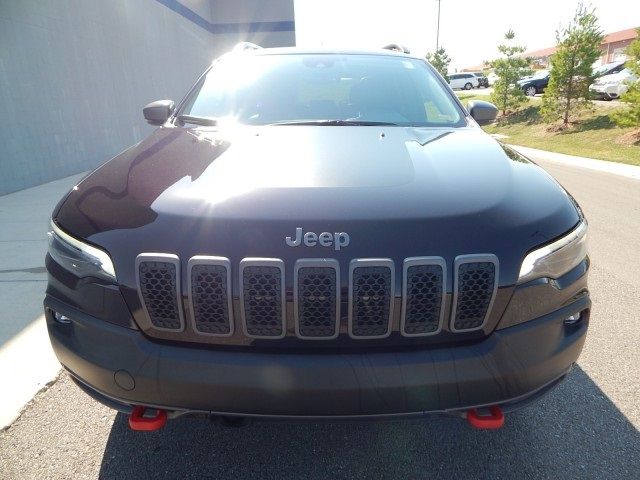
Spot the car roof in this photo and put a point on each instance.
(608, 66)
(326, 51)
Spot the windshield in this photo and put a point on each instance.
(605, 68)
(268, 89)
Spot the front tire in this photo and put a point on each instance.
(468, 86)
(530, 91)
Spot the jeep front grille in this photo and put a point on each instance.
(262, 299)
(371, 294)
(158, 278)
(209, 295)
(474, 289)
(316, 298)
(423, 296)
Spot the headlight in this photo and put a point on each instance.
(557, 258)
(81, 259)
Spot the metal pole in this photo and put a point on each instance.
(438, 29)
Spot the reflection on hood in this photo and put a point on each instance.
(131, 182)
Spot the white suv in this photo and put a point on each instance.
(612, 86)
(465, 81)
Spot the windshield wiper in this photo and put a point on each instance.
(195, 120)
(332, 123)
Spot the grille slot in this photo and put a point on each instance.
(262, 299)
(371, 293)
(316, 296)
(423, 296)
(158, 279)
(475, 287)
(210, 296)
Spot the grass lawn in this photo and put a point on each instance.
(467, 97)
(595, 136)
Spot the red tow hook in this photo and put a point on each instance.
(493, 421)
(140, 423)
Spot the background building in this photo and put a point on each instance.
(612, 47)
(74, 75)
(615, 44)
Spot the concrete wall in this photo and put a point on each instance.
(266, 23)
(75, 74)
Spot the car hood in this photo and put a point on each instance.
(522, 81)
(398, 192)
(615, 77)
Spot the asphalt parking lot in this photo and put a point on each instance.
(586, 428)
(487, 92)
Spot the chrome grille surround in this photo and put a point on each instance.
(463, 296)
(223, 300)
(476, 300)
(262, 267)
(315, 264)
(410, 304)
(375, 266)
(173, 293)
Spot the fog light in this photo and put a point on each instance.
(60, 318)
(573, 319)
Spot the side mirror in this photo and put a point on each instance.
(482, 112)
(156, 113)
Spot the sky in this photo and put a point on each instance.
(469, 30)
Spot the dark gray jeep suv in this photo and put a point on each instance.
(317, 234)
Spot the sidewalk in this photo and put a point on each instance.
(27, 362)
(622, 169)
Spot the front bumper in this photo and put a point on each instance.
(602, 91)
(125, 367)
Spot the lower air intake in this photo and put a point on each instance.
(371, 298)
(262, 300)
(159, 284)
(474, 290)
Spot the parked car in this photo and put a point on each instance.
(534, 84)
(463, 81)
(492, 78)
(609, 87)
(317, 235)
(483, 81)
(608, 69)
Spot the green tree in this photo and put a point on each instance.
(630, 116)
(572, 67)
(440, 61)
(511, 67)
